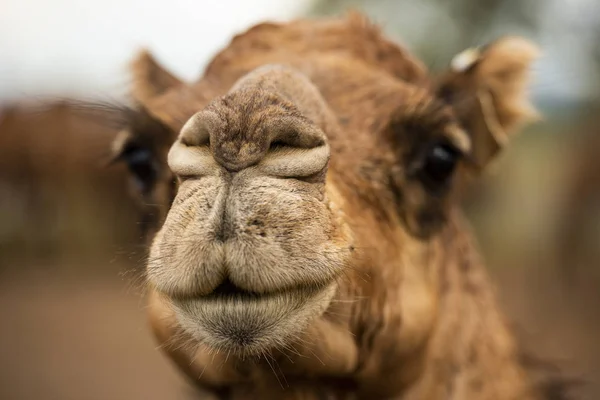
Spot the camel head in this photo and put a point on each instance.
(306, 186)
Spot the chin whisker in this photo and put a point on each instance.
(264, 355)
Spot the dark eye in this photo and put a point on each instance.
(439, 164)
(142, 166)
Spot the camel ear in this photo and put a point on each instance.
(144, 132)
(150, 79)
(488, 89)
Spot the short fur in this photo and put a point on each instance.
(302, 255)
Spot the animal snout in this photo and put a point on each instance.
(282, 145)
(236, 155)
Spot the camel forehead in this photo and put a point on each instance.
(352, 44)
(353, 37)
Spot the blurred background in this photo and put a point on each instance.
(73, 324)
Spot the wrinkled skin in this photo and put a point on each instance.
(307, 243)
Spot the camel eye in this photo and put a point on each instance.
(140, 162)
(439, 164)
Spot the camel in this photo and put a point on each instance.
(580, 196)
(307, 241)
(53, 180)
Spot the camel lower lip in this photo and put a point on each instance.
(249, 322)
(248, 302)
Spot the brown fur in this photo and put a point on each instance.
(298, 165)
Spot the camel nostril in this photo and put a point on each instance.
(277, 144)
